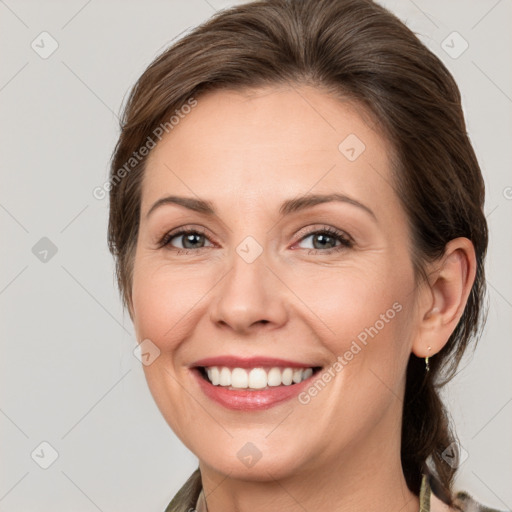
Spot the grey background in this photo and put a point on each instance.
(68, 374)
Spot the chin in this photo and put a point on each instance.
(258, 460)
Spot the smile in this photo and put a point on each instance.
(253, 383)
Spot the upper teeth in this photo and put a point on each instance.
(256, 378)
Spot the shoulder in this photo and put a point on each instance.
(462, 502)
(466, 503)
(186, 498)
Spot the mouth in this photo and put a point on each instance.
(251, 384)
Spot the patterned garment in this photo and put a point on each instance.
(463, 501)
(192, 497)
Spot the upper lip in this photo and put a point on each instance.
(250, 362)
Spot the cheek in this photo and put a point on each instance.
(364, 322)
(164, 300)
(358, 303)
(363, 317)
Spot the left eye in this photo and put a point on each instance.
(327, 239)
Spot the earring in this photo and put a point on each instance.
(427, 366)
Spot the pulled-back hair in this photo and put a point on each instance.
(355, 50)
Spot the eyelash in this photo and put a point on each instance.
(346, 241)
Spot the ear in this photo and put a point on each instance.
(444, 297)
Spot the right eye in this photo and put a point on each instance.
(187, 239)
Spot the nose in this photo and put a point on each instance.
(249, 298)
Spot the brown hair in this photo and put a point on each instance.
(360, 51)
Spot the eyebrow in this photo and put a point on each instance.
(289, 206)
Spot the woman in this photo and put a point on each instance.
(296, 214)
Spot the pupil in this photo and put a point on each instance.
(322, 238)
(190, 238)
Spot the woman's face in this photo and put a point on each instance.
(270, 275)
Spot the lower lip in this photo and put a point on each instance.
(245, 400)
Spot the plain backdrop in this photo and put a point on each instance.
(69, 378)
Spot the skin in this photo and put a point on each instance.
(247, 152)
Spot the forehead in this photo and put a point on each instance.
(265, 143)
